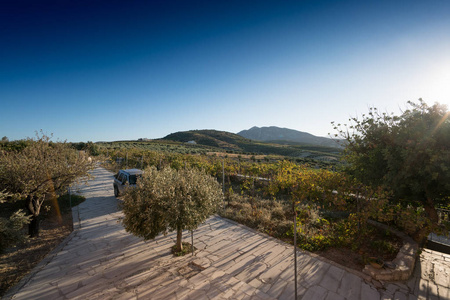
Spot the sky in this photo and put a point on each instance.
(121, 70)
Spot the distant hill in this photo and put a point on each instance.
(279, 135)
(213, 138)
(233, 142)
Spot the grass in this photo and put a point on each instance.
(187, 249)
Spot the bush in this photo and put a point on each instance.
(11, 229)
(384, 246)
(278, 213)
(265, 215)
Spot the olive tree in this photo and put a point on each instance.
(408, 154)
(40, 172)
(169, 200)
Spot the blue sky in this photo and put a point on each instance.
(115, 70)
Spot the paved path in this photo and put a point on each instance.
(100, 260)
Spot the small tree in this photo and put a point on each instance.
(39, 172)
(168, 200)
(407, 154)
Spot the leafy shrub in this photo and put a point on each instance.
(278, 213)
(384, 246)
(11, 229)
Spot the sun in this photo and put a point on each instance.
(438, 83)
(434, 85)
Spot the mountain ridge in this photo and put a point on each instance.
(276, 134)
(236, 143)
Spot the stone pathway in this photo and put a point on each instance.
(100, 260)
(431, 279)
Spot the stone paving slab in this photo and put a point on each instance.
(100, 260)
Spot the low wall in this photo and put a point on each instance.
(402, 265)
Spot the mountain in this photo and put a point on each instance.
(279, 135)
(233, 142)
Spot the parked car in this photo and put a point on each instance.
(124, 179)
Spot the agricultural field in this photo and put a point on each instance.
(220, 144)
(262, 190)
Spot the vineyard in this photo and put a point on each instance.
(315, 156)
(267, 192)
(395, 173)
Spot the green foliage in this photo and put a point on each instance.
(410, 219)
(11, 229)
(316, 233)
(407, 155)
(40, 172)
(168, 200)
(333, 190)
(14, 145)
(384, 246)
(254, 187)
(165, 146)
(312, 230)
(79, 146)
(317, 229)
(90, 147)
(220, 141)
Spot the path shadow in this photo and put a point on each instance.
(422, 282)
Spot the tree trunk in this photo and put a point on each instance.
(33, 208)
(33, 227)
(421, 235)
(431, 211)
(179, 240)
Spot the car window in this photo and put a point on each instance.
(133, 179)
(120, 178)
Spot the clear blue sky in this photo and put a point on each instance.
(114, 70)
